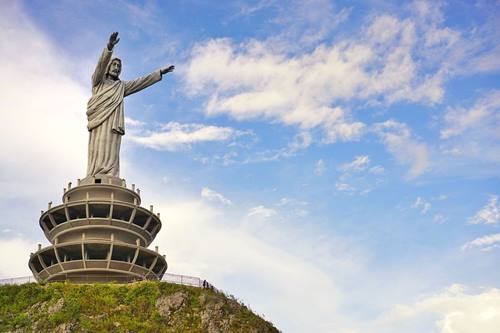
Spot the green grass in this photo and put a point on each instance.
(107, 307)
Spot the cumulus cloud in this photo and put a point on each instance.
(456, 309)
(404, 146)
(486, 243)
(256, 79)
(212, 195)
(489, 214)
(253, 82)
(175, 136)
(261, 212)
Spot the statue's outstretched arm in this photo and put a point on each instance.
(138, 84)
(142, 82)
(104, 59)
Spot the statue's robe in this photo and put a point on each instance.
(105, 116)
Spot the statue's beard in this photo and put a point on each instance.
(114, 76)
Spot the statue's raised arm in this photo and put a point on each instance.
(104, 59)
(105, 112)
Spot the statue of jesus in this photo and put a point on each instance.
(105, 116)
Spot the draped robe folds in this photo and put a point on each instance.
(105, 116)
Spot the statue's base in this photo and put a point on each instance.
(97, 261)
(99, 233)
(103, 179)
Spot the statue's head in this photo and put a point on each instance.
(114, 68)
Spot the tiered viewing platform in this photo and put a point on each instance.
(99, 233)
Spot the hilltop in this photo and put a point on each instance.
(150, 306)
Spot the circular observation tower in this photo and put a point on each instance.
(99, 233)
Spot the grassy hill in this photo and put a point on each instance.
(135, 307)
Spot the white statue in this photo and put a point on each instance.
(105, 110)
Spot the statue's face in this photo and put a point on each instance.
(115, 69)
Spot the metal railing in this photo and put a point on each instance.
(18, 280)
(167, 277)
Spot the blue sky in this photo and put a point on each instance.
(333, 164)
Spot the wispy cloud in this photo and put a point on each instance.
(489, 214)
(320, 167)
(212, 195)
(360, 163)
(176, 136)
(377, 170)
(470, 133)
(486, 243)
(344, 187)
(261, 212)
(358, 176)
(293, 207)
(439, 218)
(300, 141)
(483, 116)
(422, 205)
(404, 146)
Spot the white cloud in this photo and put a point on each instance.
(377, 170)
(406, 149)
(212, 195)
(306, 22)
(360, 163)
(43, 135)
(453, 310)
(261, 212)
(320, 167)
(489, 214)
(255, 83)
(134, 122)
(484, 116)
(422, 205)
(175, 136)
(486, 243)
(470, 133)
(344, 187)
(300, 141)
(256, 79)
(293, 207)
(357, 177)
(439, 218)
(14, 256)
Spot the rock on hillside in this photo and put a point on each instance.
(136, 307)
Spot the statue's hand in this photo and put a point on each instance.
(113, 40)
(167, 70)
